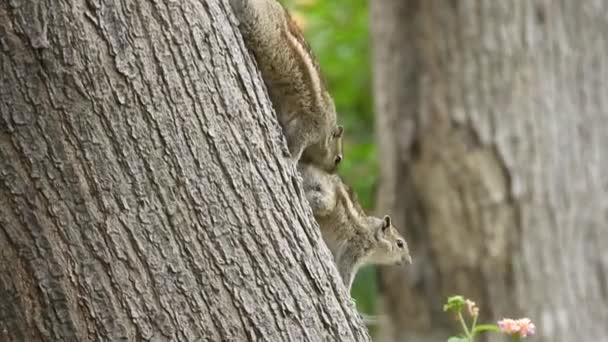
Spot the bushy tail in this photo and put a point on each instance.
(259, 21)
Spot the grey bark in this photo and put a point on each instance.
(491, 124)
(144, 189)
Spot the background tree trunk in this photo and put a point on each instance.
(491, 123)
(144, 192)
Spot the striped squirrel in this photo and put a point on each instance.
(291, 73)
(354, 238)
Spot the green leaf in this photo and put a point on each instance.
(457, 339)
(486, 327)
(455, 303)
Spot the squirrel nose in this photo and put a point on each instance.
(338, 159)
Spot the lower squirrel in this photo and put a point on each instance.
(296, 88)
(354, 238)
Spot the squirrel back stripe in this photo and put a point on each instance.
(308, 66)
(354, 214)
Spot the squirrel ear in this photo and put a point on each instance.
(340, 131)
(386, 223)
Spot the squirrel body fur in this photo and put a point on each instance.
(296, 88)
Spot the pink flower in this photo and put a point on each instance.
(523, 326)
(526, 327)
(508, 326)
(473, 309)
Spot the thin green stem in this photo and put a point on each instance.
(473, 326)
(464, 325)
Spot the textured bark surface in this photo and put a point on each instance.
(144, 189)
(491, 123)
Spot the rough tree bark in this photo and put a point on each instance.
(144, 193)
(491, 123)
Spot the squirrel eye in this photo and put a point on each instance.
(400, 243)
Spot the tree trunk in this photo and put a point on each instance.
(491, 121)
(144, 189)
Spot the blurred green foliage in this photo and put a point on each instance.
(338, 34)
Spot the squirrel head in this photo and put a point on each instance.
(332, 157)
(335, 144)
(391, 247)
(328, 155)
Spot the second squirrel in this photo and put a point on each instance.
(354, 238)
